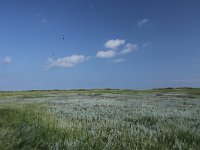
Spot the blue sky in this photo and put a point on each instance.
(64, 44)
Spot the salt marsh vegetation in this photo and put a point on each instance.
(100, 119)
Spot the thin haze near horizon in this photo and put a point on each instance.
(133, 44)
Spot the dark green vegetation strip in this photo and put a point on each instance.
(189, 92)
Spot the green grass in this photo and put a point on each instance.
(100, 119)
(191, 92)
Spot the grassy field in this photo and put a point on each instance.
(108, 119)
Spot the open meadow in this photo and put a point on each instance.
(100, 119)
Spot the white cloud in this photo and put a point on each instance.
(119, 60)
(7, 60)
(66, 62)
(106, 54)
(114, 43)
(142, 22)
(125, 48)
(129, 48)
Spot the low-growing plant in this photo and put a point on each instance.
(92, 119)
